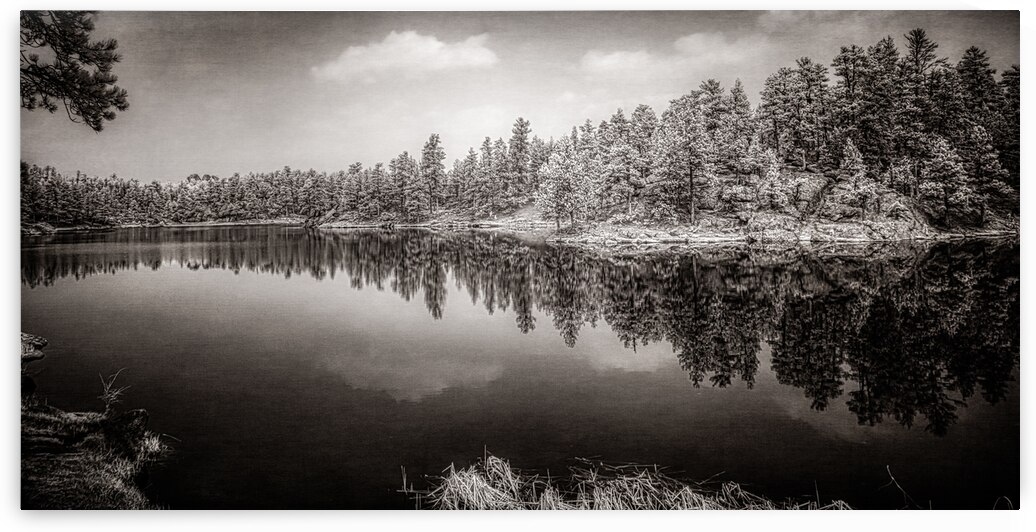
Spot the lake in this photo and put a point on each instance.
(306, 369)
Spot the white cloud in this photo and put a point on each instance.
(406, 54)
(692, 54)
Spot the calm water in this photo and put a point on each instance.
(302, 369)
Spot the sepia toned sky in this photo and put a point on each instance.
(221, 93)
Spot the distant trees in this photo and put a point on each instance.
(72, 71)
(944, 136)
(684, 153)
(433, 172)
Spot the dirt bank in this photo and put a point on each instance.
(82, 460)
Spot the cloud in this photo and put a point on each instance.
(692, 54)
(408, 54)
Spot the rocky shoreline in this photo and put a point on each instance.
(760, 228)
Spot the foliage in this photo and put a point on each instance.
(78, 73)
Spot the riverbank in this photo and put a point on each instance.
(492, 484)
(82, 460)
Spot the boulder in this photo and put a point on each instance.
(32, 347)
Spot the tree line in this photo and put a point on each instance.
(879, 123)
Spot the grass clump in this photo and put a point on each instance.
(86, 460)
(492, 484)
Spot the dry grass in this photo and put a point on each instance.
(492, 484)
(84, 460)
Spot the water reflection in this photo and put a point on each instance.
(907, 332)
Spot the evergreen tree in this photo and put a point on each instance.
(72, 69)
(433, 172)
(850, 67)
(485, 194)
(619, 163)
(981, 164)
(776, 109)
(643, 124)
(539, 152)
(406, 178)
(1008, 137)
(684, 154)
(943, 188)
(882, 98)
(982, 96)
(500, 173)
(737, 136)
(518, 153)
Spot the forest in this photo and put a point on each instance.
(880, 133)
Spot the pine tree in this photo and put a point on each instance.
(982, 97)
(351, 187)
(406, 178)
(916, 118)
(982, 166)
(943, 188)
(518, 152)
(1008, 137)
(566, 185)
(539, 152)
(501, 170)
(862, 191)
(619, 161)
(738, 132)
(880, 107)
(556, 192)
(810, 117)
(850, 67)
(484, 198)
(433, 172)
(643, 124)
(776, 110)
(684, 155)
(376, 193)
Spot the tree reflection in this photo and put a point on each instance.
(903, 332)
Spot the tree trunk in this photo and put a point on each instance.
(693, 210)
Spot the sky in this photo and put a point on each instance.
(220, 93)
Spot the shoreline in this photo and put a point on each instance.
(82, 460)
(606, 236)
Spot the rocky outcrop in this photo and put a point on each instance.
(32, 347)
(37, 229)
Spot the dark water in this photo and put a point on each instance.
(302, 369)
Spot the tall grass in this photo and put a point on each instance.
(492, 484)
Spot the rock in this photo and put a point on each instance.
(32, 347)
(36, 229)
